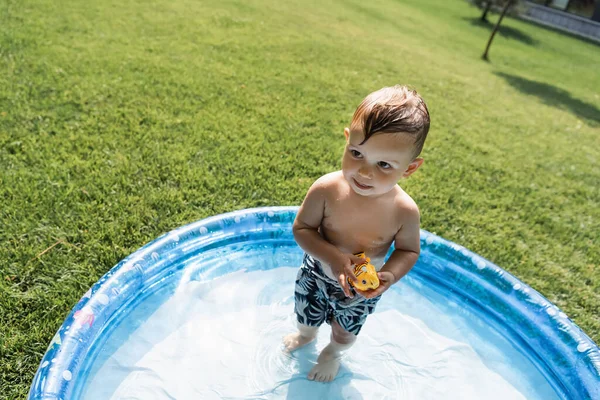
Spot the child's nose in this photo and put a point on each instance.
(365, 172)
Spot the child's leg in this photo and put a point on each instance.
(310, 307)
(328, 362)
(305, 335)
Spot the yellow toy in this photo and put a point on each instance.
(366, 274)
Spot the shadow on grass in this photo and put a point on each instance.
(554, 96)
(505, 31)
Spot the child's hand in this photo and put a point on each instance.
(386, 279)
(343, 268)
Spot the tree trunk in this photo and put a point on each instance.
(596, 15)
(488, 5)
(487, 48)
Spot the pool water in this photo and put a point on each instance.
(212, 329)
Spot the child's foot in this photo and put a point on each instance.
(296, 340)
(328, 365)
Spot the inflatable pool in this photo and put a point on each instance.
(199, 313)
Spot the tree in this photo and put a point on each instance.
(507, 4)
(486, 5)
(596, 15)
(489, 5)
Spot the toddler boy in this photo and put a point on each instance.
(359, 209)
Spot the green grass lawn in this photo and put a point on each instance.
(122, 120)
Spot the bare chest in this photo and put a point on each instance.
(354, 227)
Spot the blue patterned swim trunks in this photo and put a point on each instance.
(319, 298)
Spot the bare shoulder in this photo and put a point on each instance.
(329, 180)
(328, 184)
(406, 208)
(313, 208)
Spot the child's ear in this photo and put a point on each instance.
(412, 167)
(347, 133)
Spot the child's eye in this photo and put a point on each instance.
(355, 153)
(384, 165)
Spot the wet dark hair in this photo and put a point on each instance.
(395, 109)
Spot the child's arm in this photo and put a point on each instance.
(306, 232)
(407, 247)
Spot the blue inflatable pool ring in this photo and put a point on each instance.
(566, 357)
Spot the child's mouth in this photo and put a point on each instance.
(361, 186)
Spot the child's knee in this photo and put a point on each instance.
(340, 335)
(308, 331)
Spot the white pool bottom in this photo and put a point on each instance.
(222, 340)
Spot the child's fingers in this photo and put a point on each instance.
(344, 284)
(357, 260)
(369, 294)
(349, 270)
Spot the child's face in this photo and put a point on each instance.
(375, 167)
